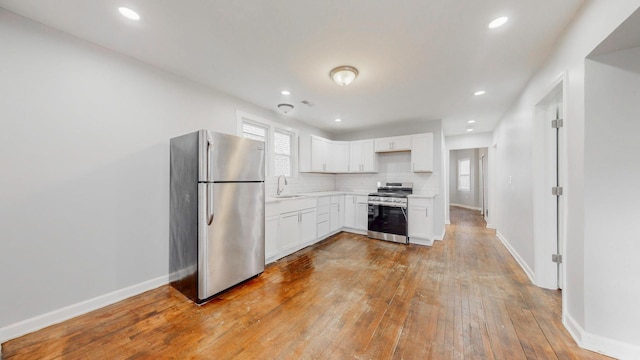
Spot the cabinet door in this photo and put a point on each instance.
(308, 225)
(401, 143)
(421, 222)
(340, 157)
(319, 149)
(350, 211)
(271, 237)
(422, 153)
(417, 222)
(289, 234)
(362, 216)
(340, 211)
(334, 222)
(355, 156)
(383, 144)
(369, 159)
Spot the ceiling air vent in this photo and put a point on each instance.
(306, 102)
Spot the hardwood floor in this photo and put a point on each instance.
(348, 297)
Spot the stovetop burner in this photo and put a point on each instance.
(397, 190)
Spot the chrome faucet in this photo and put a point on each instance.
(279, 190)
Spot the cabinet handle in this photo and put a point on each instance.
(426, 212)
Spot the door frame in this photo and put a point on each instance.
(546, 225)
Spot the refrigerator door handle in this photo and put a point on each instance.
(209, 157)
(209, 203)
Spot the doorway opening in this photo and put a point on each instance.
(468, 179)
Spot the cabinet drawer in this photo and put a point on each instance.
(335, 199)
(323, 217)
(420, 202)
(324, 201)
(323, 228)
(324, 209)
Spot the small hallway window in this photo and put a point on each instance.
(464, 175)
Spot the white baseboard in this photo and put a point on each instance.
(441, 237)
(491, 226)
(599, 344)
(41, 321)
(514, 253)
(466, 207)
(423, 242)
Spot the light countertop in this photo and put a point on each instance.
(273, 199)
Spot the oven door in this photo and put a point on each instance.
(387, 223)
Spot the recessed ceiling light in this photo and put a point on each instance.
(338, 120)
(469, 130)
(285, 92)
(479, 92)
(471, 122)
(498, 22)
(129, 14)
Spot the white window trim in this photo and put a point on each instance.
(242, 116)
(460, 188)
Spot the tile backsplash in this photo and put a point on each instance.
(303, 183)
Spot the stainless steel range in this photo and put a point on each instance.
(388, 212)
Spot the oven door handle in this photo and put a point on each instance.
(403, 206)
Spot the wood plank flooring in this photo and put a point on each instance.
(348, 297)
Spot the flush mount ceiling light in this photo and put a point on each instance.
(479, 92)
(285, 92)
(129, 14)
(344, 75)
(285, 108)
(469, 130)
(471, 122)
(338, 120)
(498, 22)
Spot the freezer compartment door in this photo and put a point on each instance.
(231, 237)
(230, 158)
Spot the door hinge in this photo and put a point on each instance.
(556, 258)
(556, 190)
(556, 124)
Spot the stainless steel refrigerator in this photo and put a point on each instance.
(216, 212)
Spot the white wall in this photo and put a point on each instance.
(84, 153)
(392, 170)
(512, 201)
(612, 198)
(469, 141)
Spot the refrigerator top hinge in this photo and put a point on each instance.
(556, 190)
(557, 124)
(556, 258)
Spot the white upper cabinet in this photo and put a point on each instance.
(314, 153)
(362, 157)
(422, 152)
(396, 143)
(339, 157)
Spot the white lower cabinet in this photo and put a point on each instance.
(421, 221)
(350, 211)
(271, 224)
(356, 214)
(362, 214)
(324, 217)
(289, 231)
(336, 213)
(308, 232)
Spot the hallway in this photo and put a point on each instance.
(348, 297)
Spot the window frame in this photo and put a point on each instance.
(272, 127)
(460, 175)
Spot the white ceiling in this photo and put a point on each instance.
(418, 59)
